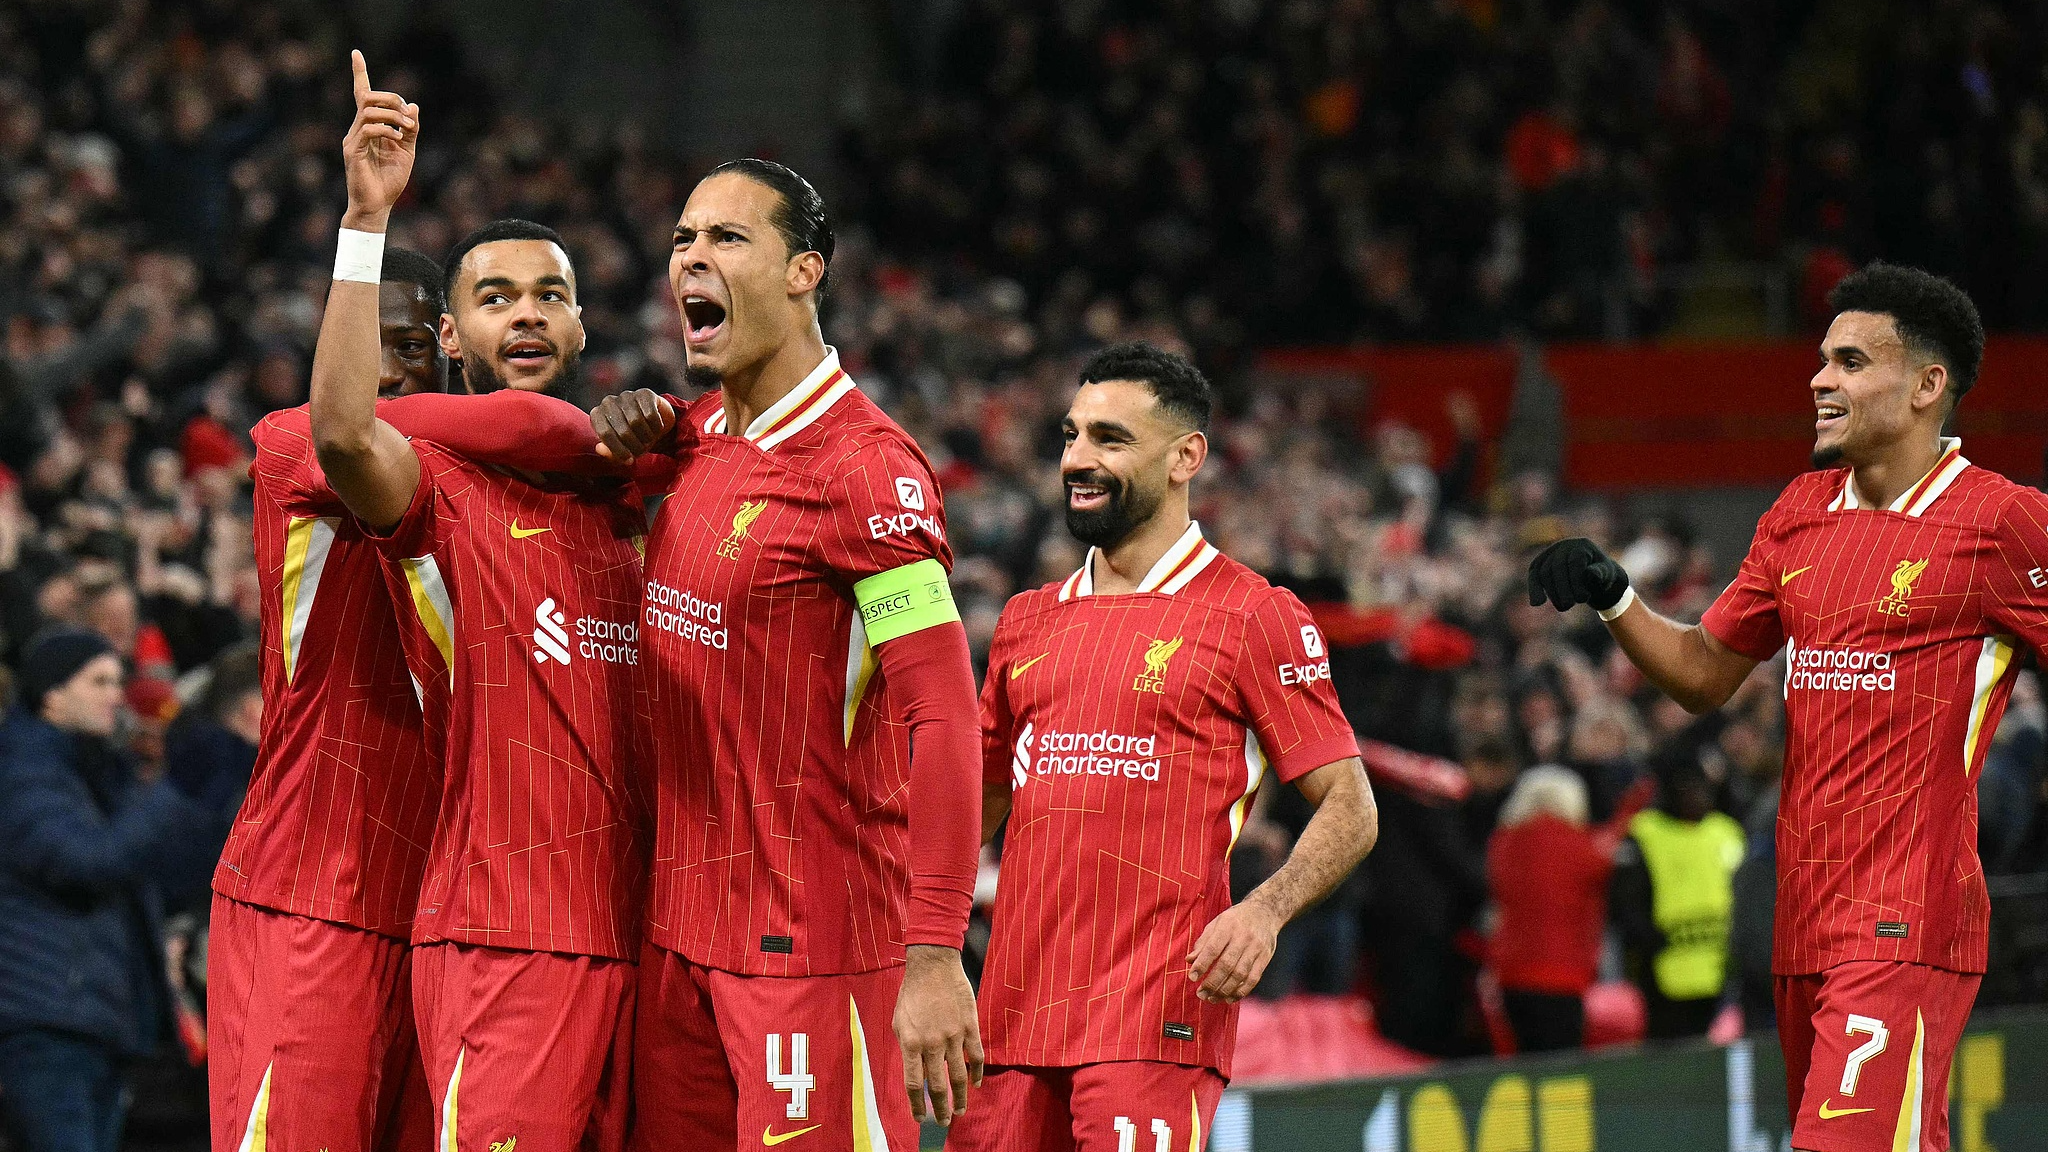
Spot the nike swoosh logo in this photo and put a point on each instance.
(1827, 1113)
(1020, 669)
(1782, 581)
(769, 1138)
(519, 533)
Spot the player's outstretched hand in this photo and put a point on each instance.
(631, 423)
(378, 151)
(935, 1024)
(1232, 953)
(1576, 571)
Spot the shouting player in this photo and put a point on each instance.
(1130, 713)
(1899, 580)
(309, 1014)
(813, 719)
(521, 590)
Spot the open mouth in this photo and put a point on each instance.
(702, 318)
(529, 353)
(1086, 496)
(1827, 415)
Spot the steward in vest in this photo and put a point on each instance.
(1673, 896)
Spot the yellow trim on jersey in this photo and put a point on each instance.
(860, 670)
(448, 1115)
(1194, 1121)
(1906, 1137)
(1991, 667)
(1254, 771)
(257, 1135)
(430, 603)
(307, 541)
(868, 1133)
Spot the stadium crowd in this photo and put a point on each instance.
(170, 186)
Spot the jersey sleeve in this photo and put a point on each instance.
(1285, 681)
(286, 464)
(1745, 615)
(997, 720)
(887, 540)
(2018, 583)
(524, 429)
(418, 531)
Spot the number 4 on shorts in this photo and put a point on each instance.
(1879, 1035)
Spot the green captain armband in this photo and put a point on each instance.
(905, 600)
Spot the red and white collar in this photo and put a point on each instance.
(1170, 573)
(1921, 496)
(795, 412)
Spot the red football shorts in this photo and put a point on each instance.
(1868, 1044)
(309, 1035)
(1108, 1107)
(525, 1049)
(722, 1061)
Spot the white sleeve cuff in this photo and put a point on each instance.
(1628, 597)
(359, 256)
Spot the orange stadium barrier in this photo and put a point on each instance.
(1674, 415)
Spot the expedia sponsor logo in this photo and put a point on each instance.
(1102, 753)
(1304, 674)
(903, 524)
(612, 641)
(1838, 670)
(681, 613)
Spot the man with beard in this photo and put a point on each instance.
(519, 592)
(1129, 715)
(1900, 581)
(812, 718)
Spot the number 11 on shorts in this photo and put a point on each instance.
(1127, 1135)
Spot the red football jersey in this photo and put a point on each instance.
(1134, 730)
(1900, 626)
(782, 769)
(521, 628)
(342, 799)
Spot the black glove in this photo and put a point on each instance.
(1573, 572)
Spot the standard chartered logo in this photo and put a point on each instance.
(550, 639)
(612, 641)
(1102, 753)
(683, 613)
(1838, 670)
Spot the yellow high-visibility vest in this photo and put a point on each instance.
(1692, 895)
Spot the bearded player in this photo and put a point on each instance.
(519, 591)
(813, 719)
(1900, 580)
(1130, 713)
(309, 1014)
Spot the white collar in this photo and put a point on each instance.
(796, 411)
(1916, 499)
(1170, 573)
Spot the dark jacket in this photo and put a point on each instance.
(80, 915)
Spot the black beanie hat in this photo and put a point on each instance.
(53, 658)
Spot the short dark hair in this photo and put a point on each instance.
(405, 266)
(802, 220)
(491, 233)
(1935, 318)
(1180, 386)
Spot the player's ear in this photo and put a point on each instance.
(806, 272)
(1929, 386)
(1188, 456)
(449, 347)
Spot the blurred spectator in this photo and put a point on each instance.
(1548, 872)
(2009, 788)
(209, 754)
(1673, 899)
(81, 957)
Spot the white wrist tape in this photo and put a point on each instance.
(359, 256)
(1628, 597)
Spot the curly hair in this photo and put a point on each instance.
(1935, 319)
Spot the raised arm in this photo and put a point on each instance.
(1690, 664)
(368, 463)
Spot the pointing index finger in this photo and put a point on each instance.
(361, 72)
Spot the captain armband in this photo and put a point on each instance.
(905, 600)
